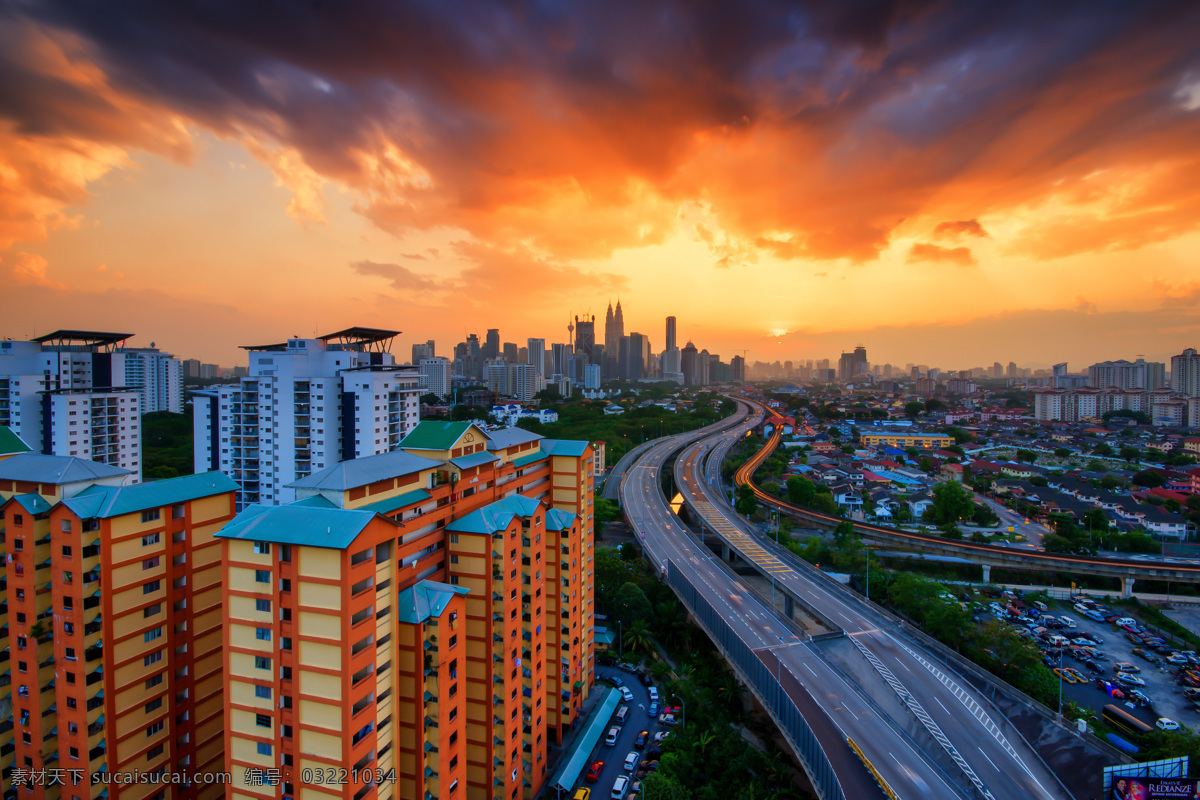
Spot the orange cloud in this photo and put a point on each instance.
(924, 251)
(30, 270)
(963, 227)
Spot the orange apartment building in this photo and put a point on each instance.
(113, 629)
(418, 624)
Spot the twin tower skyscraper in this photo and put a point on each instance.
(630, 356)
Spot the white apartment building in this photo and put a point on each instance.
(1140, 374)
(1185, 373)
(64, 394)
(434, 377)
(157, 376)
(535, 354)
(591, 376)
(306, 405)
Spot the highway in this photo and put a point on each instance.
(990, 754)
(832, 707)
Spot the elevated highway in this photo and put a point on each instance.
(1128, 570)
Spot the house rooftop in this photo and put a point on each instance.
(113, 501)
(39, 468)
(356, 472)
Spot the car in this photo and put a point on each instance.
(1068, 621)
(646, 678)
(654, 752)
(653, 694)
(582, 793)
(628, 695)
(611, 739)
(631, 760)
(1065, 675)
(1126, 621)
(1139, 697)
(1130, 680)
(1125, 666)
(1093, 666)
(606, 661)
(1166, 724)
(594, 771)
(625, 665)
(640, 741)
(615, 680)
(620, 786)
(652, 710)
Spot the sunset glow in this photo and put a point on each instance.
(946, 183)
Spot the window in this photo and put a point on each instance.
(262, 634)
(262, 548)
(151, 515)
(66, 551)
(154, 752)
(264, 749)
(69, 653)
(262, 605)
(71, 677)
(22, 666)
(150, 611)
(262, 576)
(66, 526)
(154, 681)
(152, 538)
(150, 563)
(152, 658)
(18, 520)
(262, 720)
(263, 691)
(155, 728)
(154, 705)
(74, 752)
(262, 662)
(151, 587)
(178, 510)
(152, 634)
(70, 702)
(454, 538)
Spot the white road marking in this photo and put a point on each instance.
(985, 755)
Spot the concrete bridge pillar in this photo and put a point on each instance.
(726, 553)
(789, 606)
(1127, 587)
(987, 573)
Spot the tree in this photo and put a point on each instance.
(913, 408)
(638, 637)
(530, 424)
(1103, 449)
(746, 503)
(933, 404)
(1130, 453)
(1110, 482)
(430, 399)
(1026, 455)
(1149, 479)
(951, 503)
(1061, 452)
(606, 511)
(960, 436)
(925, 464)
(631, 604)
(801, 491)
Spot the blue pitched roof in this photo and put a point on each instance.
(399, 501)
(424, 600)
(496, 516)
(32, 503)
(315, 501)
(557, 520)
(537, 455)
(564, 447)
(357, 472)
(474, 460)
(35, 467)
(113, 501)
(334, 528)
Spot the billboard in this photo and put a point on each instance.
(1143, 788)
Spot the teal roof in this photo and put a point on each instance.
(113, 501)
(496, 516)
(315, 501)
(571, 767)
(334, 528)
(529, 459)
(557, 520)
(602, 635)
(35, 467)
(364, 471)
(32, 503)
(399, 501)
(434, 435)
(11, 443)
(424, 600)
(565, 447)
(474, 460)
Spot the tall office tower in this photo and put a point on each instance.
(497, 376)
(420, 351)
(523, 382)
(1059, 377)
(474, 358)
(492, 348)
(1140, 374)
(688, 367)
(547, 364)
(1185, 373)
(434, 377)
(191, 368)
(157, 376)
(65, 394)
(537, 354)
(113, 623)
(1011, 371)
(739, 369)
(444, 616)
(614, 329)
(585, 337)
(703, 368)
(561, 354)
(623, 359)
(523, 355)
(510, 352)
(591, 376)
(306, 405)
(670, 334)
(672, 365)
(638, 364)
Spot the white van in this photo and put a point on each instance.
(631, 761)
(1068, 621)
(622, 713)
(653, 694)
(611, 739)
(1040, 606)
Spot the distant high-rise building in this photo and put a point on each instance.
(670, 334)
(191, 368)
(688, 364)
(560, 357)
(1185, 373)
(623, 359)
(434, 377)
(420, 351)
(585, 337)
(474, 364)
(510, 352)
(492, 348)
(1058, 375)
(703, 368)
(614, 329)
(307, 404)
(739, 369)
(157, 376)
(639, 347)
(591, 376)
(1011, 372)
(65, 394)
(1140, 374)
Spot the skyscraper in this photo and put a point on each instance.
(420, 351)
(561, 355)
(614, 329)
(157, 376)
(670, 334)
(689, 358)
(434, 376)
(638, 347)
(1185, 373)
(585, 337)
(510, 352)
(492, 348)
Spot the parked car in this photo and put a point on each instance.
(628, 695)
(652, 710)
(1125, 666)
(593, 774)
(1139, 697)
(620, 786)
(640, 741)
(653, 694)
(1166, 724)
(631, 760)
(1093, 666)
(615, 680)
(582, 793)
(1130, 680)
(611, 739)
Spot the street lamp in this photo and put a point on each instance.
(682, 712)
(1060, 681)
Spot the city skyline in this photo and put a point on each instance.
(930, 182)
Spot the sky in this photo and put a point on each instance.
(944, 183)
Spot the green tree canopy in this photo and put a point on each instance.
(951, 503)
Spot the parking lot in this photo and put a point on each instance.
(638, 720)
(1166, 698)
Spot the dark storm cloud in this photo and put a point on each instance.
(581, 128)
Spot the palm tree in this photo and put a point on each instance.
(703, 741)
(638, 636)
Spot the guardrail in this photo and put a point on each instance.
(764, 684)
